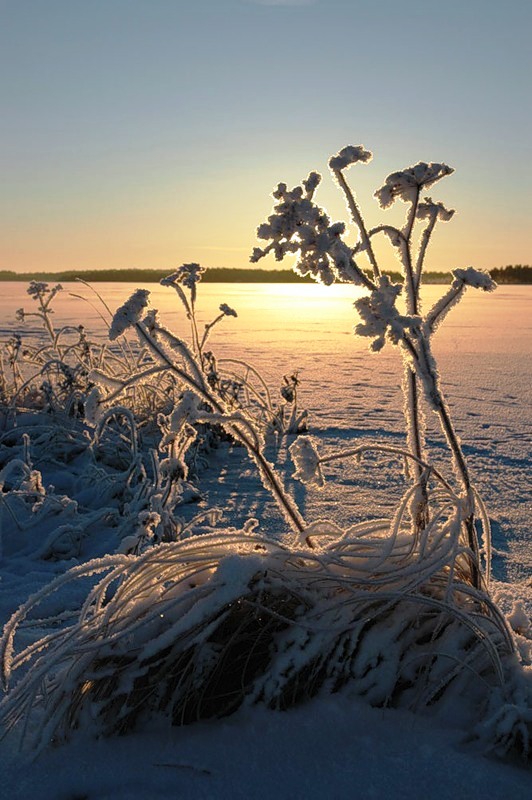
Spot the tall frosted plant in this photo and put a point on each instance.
(299, 226)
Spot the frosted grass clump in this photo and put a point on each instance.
(207, 397)
(236, 382)
(194, 629)
(46, 374)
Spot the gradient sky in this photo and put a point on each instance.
(145, 133)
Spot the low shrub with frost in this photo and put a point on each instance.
(233, 379)
(52, 373)
(238, 384)
(206, 398)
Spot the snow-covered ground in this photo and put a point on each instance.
(334, 747)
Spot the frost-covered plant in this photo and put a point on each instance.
(207, 400)
(287, 418)
(298, 226)
(234, 379)
(188, 276)
(236, 386)
(50, 374)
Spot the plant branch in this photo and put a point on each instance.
(357, 219)
(284, 501)
(425, 239)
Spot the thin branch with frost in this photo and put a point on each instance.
(345, 158)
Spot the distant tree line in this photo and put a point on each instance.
(512, 274)
(509, 274)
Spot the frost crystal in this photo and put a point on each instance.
(408, 182)
(92, 406)
(380, 316)
(311, 183)
(306, 461)
(185, 411)
(351, 154)
(128, 314)
(477, 278)
(227, 310)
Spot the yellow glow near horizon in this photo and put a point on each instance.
(162, 237)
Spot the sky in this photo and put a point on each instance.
(148, 133)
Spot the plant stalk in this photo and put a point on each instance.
(284, 501)
(357, 219)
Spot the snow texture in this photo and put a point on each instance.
(64, 513)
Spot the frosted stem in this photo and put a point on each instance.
(414, 422)
(444, 305)
(415, 442)
(383, 448)
(357, 219)
(208, 329)
(425, 363)
(425, 239)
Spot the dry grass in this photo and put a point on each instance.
(193, 629)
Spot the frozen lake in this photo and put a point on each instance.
(483, 350)
(353, 396)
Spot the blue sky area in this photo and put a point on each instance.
(145, 133)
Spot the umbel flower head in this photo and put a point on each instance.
(227, 310)
(187, 274)
(298, 225)
(406, 184)
(477, 278)
(351, 154)
(429, 210)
